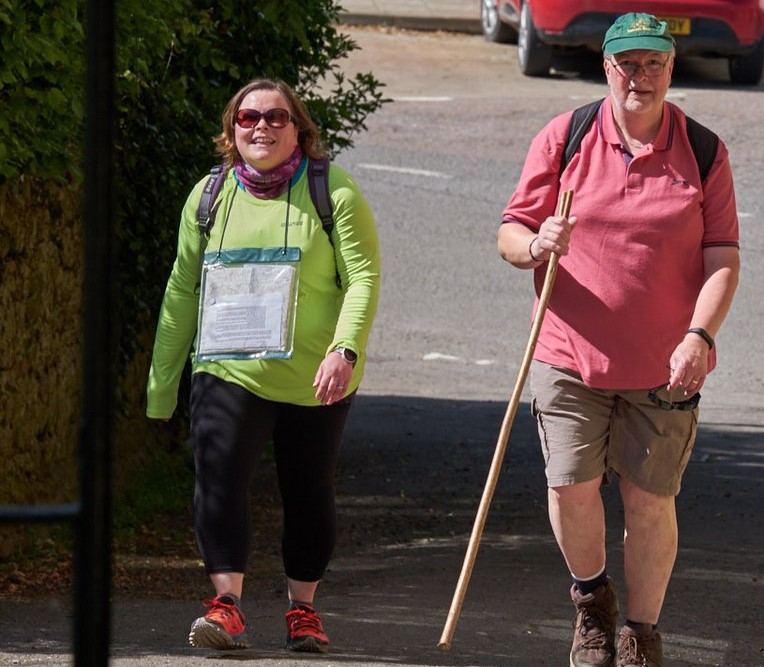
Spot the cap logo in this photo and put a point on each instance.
(640, 26)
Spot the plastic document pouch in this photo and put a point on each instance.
(247, 304)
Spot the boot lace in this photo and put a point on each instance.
(630, 653)
(592, 629)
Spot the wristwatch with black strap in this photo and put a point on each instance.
(698, 331)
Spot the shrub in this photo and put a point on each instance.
(177, 63)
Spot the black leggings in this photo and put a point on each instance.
(229, 430)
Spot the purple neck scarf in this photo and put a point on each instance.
(271, 183)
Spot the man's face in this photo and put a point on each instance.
(639, 79)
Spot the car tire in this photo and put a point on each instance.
(534, 56)
(747, 70)
(494, 29)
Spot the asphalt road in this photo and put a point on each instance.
(437, 165)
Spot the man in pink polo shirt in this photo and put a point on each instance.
(649, 265)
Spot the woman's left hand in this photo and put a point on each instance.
(332, 379)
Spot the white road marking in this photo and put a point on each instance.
(438, 356)
(405, 170)
(423, 98)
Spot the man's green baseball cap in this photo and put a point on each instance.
(637, 31)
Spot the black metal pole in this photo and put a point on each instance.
(92, 594)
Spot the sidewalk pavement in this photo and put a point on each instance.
(453, 15)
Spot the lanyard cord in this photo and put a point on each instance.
(286, 222)
(225, 220)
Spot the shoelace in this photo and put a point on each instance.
(592, 621)
(636, 652)
(632, 652)
(304, 620)
(222, 613)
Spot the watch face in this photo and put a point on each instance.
(347, 355)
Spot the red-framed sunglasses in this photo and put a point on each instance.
(278, 118)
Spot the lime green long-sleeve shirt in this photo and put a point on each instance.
(327, 316)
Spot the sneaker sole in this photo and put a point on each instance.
(307, 645)
(205, 634)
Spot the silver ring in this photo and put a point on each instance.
(693, 382)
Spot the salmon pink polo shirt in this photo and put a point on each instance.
(624, 296)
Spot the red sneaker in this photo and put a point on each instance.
(222, 627)
(305, 632)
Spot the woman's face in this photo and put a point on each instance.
(262, 146)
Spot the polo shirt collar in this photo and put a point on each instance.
(610, 132)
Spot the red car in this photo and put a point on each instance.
(732, 29)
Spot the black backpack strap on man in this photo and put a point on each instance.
(703, 141)
(704, 144)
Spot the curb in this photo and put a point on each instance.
(465, 25)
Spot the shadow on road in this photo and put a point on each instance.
(412, 473)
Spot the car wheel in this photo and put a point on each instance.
(535, 57)
(494, 29)
(747, 70)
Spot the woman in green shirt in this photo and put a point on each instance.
(297, 392)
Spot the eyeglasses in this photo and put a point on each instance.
(278, 118)
(631, 69)
(690, 404)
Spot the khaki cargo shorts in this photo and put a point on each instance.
(587, 433)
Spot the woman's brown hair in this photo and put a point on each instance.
(307, 131)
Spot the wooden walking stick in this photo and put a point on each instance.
(501, 445)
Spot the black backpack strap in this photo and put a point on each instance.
(705, 144)
(580, 122)
(703, 141)
(318, 181)
(205, 212)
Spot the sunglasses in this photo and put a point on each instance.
(278, 118)
(690, 404)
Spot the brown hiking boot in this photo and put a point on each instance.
(594, 635)
(640, 648)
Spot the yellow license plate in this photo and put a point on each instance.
(677, 25)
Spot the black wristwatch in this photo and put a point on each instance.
(698, 331)
(347, 354)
